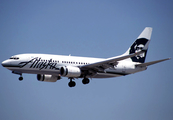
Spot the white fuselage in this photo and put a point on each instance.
(51, 64)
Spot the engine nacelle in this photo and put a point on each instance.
(47, 78)
(70, 71)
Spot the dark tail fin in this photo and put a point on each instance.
(138, 45)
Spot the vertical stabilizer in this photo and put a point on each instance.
(141, 42)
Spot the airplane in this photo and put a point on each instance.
(51, 68)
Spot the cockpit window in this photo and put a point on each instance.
(15, 58)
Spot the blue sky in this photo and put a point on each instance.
(92, 28)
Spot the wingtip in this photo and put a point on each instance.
(166, 59)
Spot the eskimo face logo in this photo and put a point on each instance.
(137, 46)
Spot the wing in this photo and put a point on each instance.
(110, 62)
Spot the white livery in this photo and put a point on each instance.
(51, 68)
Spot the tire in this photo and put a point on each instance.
(20, 78)
(71, 84)
(85, 81)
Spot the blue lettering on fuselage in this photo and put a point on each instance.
(40, 63)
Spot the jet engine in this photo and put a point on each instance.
(70, 71)
(47, 78)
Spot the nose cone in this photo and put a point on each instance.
(5, 63)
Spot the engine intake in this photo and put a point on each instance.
(48, 78)
(70, 71)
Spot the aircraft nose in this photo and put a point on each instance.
(5, 63)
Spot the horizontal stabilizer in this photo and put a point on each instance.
(151, 63)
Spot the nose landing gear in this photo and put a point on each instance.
(20, 78)
(18, 73)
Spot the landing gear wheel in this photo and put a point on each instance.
(71, 84)
(85, 81)
(20, 78)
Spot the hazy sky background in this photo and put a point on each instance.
(91, 28)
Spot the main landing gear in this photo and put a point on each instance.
(85, 81)
(73, 84)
